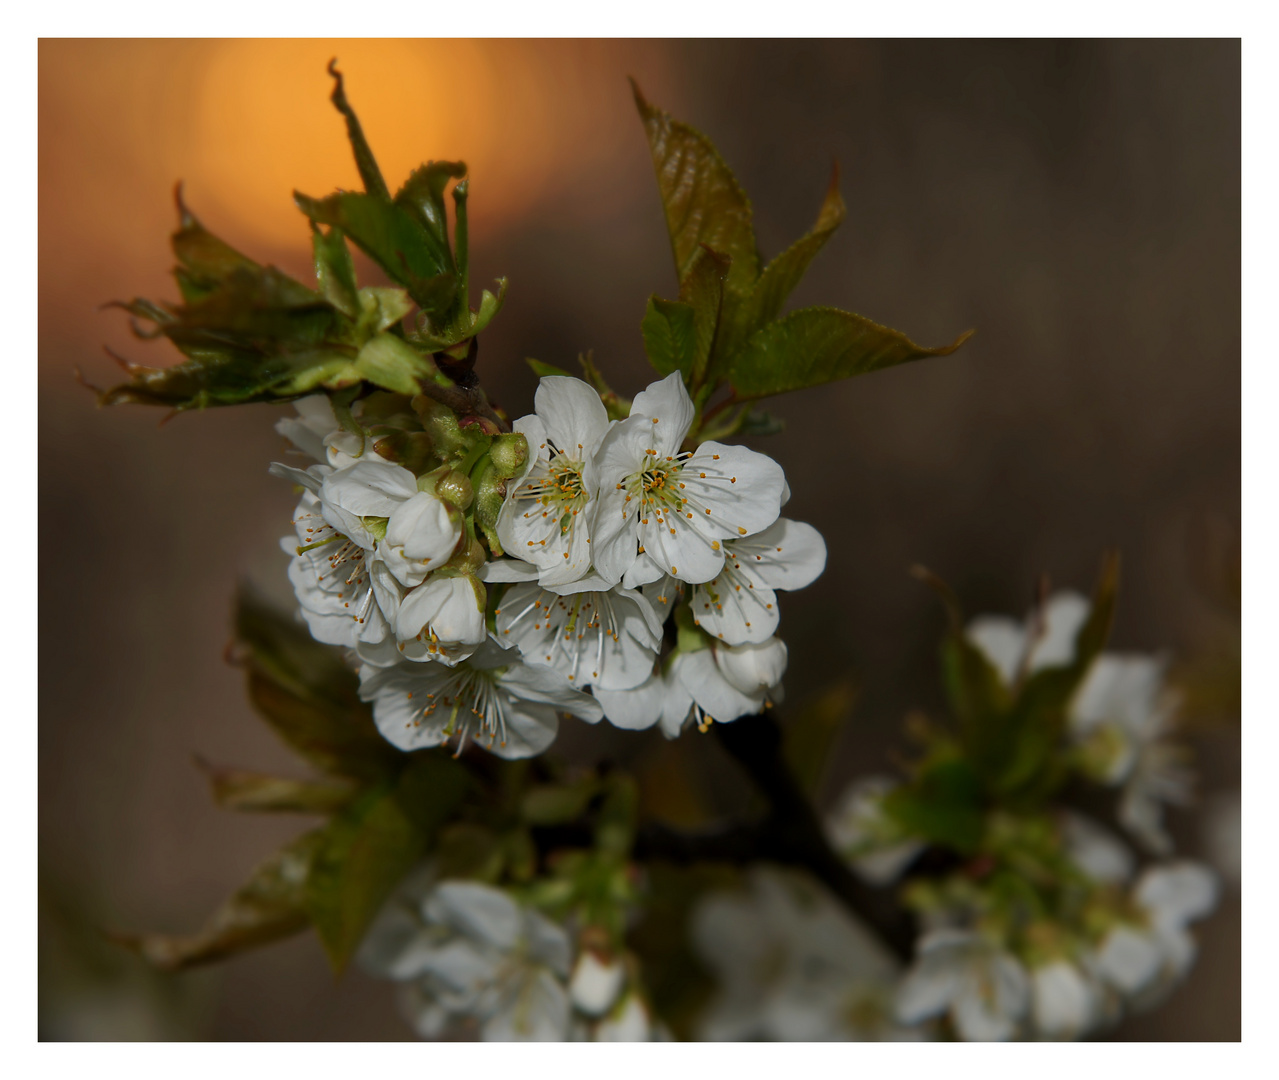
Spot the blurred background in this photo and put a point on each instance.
(1078, 203)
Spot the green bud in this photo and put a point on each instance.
(490, 493)
(455, 488)
(509, 453)
(441, 424)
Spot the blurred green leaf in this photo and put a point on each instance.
(761, 422)
(818, 345)
(557, 804)
(1040, 714)
(703, 202)
(542, 370)
(809, 735)
(237, 789)
(308, 695)
(942, 805)
(372, 844)
(269, 907)
(469, 850)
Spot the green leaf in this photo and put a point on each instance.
(364, 159)
(394, 239)
(236, 789)
(369, 848)
(761, 422)
(942, 805)
(393, 364)
(308, 695)
(542, 370)
(809, 735)
(271, 906)
(819, 345)
(703, 291)
(204, 261)
(703, 202)
(1040, 715)
(335, 272)
(423, 196)
(557, 804)
(670, 336)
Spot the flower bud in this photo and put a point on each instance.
(753, 668)
(455, 488)
(595, 983)
(508, 454)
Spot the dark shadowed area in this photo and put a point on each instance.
(1078, 203)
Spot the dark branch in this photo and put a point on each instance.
(790, 834)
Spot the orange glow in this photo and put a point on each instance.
(244, 123)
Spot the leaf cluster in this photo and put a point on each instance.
(1006, 749)
(252, 333)
(725, 327)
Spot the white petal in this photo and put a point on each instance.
(1118, 689)
(1003, 641)
(1063, 616)
(479, 912)
(573, 414)
(668, 403)
(1064, 1001)
(753, 669)
(499, 570)
(399, 695)
(786, 555)
(370, 488)
(630, 1024)
(307, 430)
(595, 983)
(534, 1008)
(438, 615)
(310, 478)
(547, 942)
(716, 696)
(635, 709)
(422, 534)
(543, 684)
(1177, 893)
(741, 488)
(1128, 959)
(530, 728)
(926, 991)
(1097, 851)
(735, 606)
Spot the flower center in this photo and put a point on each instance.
(475, 707)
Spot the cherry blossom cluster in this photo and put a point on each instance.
(466, 954)
(998, 957)
(612, 530)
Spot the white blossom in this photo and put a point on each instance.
(506, 705)
(869, 839)
(442, 620)
(984, 988)
(739, 604)
(1066, 1003)
(347, 595)
(792, 965)
(596, 983)
(546, 519)
(662, 510)
(1120, 717)
(1096, 850)
(1045, 639)
(1144, 960)
(316, 432)
(593, 635)
(467, 951)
